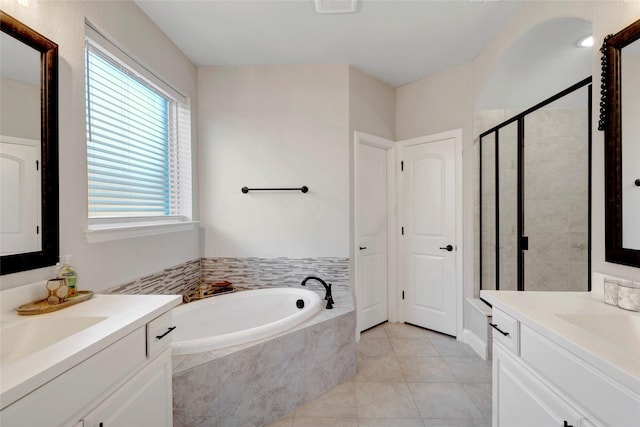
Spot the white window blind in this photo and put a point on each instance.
(138, 141)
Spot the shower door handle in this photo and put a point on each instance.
(448, 248)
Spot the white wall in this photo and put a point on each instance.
(20, 106)
(103, 265)
(372, 105)
(274, 126)
(606, 18)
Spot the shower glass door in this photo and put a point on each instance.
(556, 195)
(534, 212)
(508, 207)
(488, 250)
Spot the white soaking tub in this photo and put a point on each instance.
(226, 320)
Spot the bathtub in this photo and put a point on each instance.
(241, 317)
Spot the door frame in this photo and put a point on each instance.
(390, 146)
(456, 134)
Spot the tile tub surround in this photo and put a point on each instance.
(174, 280)
(256, 383)
(277, 272)
(250, 273)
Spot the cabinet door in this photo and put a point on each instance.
(520, 399)
(145, 400)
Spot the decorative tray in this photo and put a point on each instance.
(42, 306)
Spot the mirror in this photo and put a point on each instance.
(28, 148)
(620, 109)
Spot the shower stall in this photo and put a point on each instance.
(534, 201)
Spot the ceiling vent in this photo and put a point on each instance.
(336, 6)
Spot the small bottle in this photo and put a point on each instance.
(66, 271)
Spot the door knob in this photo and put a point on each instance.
(447, 248)
(363, 248)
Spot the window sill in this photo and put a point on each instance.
(99, 234)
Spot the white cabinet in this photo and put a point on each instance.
(539, 383)
(125, 384)
(145, 400)
(523, 400)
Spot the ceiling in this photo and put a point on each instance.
(396, 41)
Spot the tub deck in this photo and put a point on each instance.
(255, 383)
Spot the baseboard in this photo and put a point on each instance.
(475, 343)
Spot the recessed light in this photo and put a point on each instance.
(586, 41)
(336, 6)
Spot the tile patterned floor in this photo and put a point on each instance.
(407, 377)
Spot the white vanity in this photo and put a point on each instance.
(103, 362)
(563, 359)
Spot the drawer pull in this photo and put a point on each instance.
(159, 337)
(494, 326)
(566, 424)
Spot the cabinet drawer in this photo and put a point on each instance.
(521, 399)
(145, 400)
(159, 334)
(506, 330)
(66, 396)
(573, 377)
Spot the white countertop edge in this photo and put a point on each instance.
(125, 314)
(595, 351)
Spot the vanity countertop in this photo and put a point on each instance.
(604, 336)
(115, 315)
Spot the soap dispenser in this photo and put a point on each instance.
(66, 271)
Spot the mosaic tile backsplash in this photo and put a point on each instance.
(253, 273)
(173, 280)
(277, 272)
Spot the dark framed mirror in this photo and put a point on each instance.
(620, 109)
(20, 42)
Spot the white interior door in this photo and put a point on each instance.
(428, 241)
(19, 196)
(371, 233)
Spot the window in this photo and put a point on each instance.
(138, 142)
